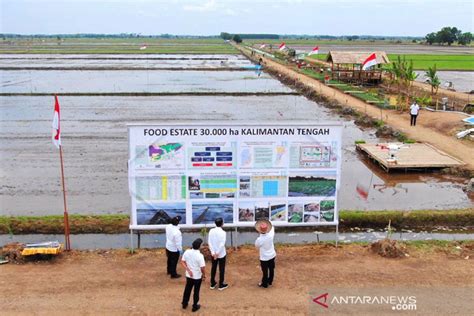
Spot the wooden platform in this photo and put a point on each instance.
(409, 156)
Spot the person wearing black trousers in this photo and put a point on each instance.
(173, 246)
(193, 262)
(217, 238)
(267, 251)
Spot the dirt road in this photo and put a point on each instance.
(114, 282)
(432, 127)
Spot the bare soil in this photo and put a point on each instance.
(115, 282)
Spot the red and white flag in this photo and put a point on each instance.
(262, 46)
(369, 62)
(363, 191)
(143, 47)
(315, 51)
(282, 46)
(56, 124)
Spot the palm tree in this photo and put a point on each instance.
(433, 79)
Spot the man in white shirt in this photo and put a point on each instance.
(174, 246)
(414, 110)
(193, 262)
(216, 241)
(267, 251)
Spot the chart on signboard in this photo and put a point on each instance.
(288, 174)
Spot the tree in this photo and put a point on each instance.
(431, 38)
(465, 38)
(226, 36)
(236, 38)
(448, 35)
(433, 79)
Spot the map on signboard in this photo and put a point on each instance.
(160, 156)
(262, 155)
(313, 155)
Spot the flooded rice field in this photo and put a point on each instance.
(123, 62)
(120, 81)
(94, 136)
(463, 81)
(95, 152)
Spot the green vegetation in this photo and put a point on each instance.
(449, 35)
(311, 187)
(424, 219)
(114, 224)
(443, 62)
(425, 61)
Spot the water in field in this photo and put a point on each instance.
(157, 240)
(123, 62)
(463, 81)
(123, 81)
(94, 135)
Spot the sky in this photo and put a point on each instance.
(210, 17)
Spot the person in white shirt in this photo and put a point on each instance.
(267, 251)
(414, 110)
(216, 241)
(174, 246)
(193, 262)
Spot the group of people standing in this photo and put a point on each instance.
(194, 264)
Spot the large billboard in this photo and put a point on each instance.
(288, 173)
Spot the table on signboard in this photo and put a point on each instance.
(286, 172)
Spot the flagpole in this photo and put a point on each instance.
(66, 215)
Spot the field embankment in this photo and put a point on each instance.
(426, 220)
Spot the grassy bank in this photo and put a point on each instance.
(114, 224)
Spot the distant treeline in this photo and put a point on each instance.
(449, 35)
(87, 35)
(229, 36)
(223, 35)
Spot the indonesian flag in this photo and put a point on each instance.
(363, 191)
(262, 46)
(282, 46)
(56, 125)
(143, 47)
(369, 62)
(315, 51)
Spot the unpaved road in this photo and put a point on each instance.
(426, 130)
(116, 283)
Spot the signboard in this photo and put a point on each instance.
(289, 174)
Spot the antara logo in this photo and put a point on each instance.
(322, 299)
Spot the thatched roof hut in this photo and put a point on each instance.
(351, 58)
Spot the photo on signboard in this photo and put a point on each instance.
(207, 212)
(160, 213)
(194, 184)
(246, 211)
(321, 183)
(327, 210)
(278, 212)
(311, 212)
(295, 213)
(262, 210)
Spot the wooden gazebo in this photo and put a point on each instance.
(347, 66)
